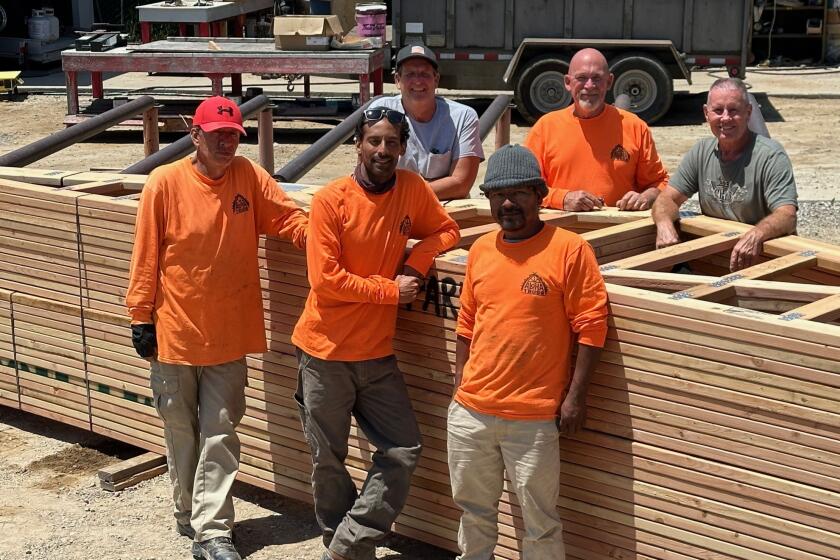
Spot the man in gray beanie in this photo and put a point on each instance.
(531, 292)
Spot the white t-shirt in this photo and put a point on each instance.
(435, 147)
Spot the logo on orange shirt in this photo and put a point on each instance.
(619, 153)
(534, 286)
(240, 204)
(405, 226)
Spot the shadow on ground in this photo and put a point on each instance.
(293, 521)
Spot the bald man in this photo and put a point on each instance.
(594, 155)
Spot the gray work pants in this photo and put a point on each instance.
(372, 391)
(200, 407)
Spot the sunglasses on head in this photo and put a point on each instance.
(378, 113)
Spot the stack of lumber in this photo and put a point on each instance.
(120, 397)
(39, 263)
(713, 420)
(124, 474)
(50, 358)
(9, 391)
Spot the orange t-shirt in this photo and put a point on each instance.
(520, 305)
(355, 245)
(194, 270)
(608, 155)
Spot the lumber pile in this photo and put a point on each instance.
(713, 417)
(125, 474)
(9, 391)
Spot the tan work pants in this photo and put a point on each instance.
(200, 407)
(481, 448)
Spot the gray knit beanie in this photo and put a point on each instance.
(513, 166)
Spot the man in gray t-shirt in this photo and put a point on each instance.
(444, 146)
(738, 176)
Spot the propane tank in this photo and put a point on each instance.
(55, 33)
(39, 26)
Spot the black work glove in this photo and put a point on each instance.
(144, 339)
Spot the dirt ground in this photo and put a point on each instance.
(50, 505)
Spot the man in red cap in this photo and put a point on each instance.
(196, 310)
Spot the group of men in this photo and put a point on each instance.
(532, 296)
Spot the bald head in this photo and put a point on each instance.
(588, 58)
(588, 80)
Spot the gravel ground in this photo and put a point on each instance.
(51, 507)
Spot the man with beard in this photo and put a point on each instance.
(359, 228)
(738, 175)
(592, 154)
(531, 293)
(196, 310)
(444, 146)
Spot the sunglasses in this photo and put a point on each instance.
(378, 113)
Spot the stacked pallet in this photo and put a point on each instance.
(9, 391)
(713, 419)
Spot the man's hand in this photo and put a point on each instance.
(582, 201)
(634, 201)
(144, 339)
(746, 251)
(666, 235)
(572, 415)
(409, 287)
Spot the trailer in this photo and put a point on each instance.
(526, 45)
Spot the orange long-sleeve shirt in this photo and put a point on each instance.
(520, 305)
(608, 155)
(355, 245)
(194, 270)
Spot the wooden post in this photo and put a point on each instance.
(503, 129)
(265, 138)
(97, 89)
(216, 81)
(145, 32)
(378, 79)
(364, 88)
(71, 79)
(236, 84)
(151, 133)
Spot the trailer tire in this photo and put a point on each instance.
(540, 87)
(646, 82)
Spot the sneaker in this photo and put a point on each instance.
(185, 530)
(218, 548)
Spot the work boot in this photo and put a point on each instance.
(185, 530)
(218, 548)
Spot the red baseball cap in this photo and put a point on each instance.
(218, 112)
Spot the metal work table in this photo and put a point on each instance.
(209, 19)
(235, 57)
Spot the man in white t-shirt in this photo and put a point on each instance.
(444, 146)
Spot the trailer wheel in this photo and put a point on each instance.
(646, 82)
(540, 88)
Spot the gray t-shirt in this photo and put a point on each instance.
(436, 146)
(745, 190)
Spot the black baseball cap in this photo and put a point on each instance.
(417, 51)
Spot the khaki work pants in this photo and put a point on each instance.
(200, 407)
(481, 447)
